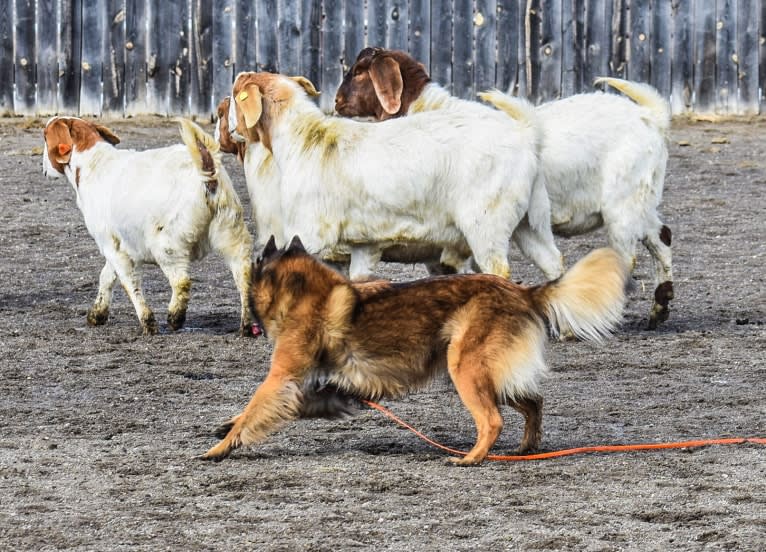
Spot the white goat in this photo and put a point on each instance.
(603, 161)
(166, 206)
(602, 157)
(462, 181)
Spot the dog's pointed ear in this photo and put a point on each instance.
(270, 249)
(296, 245)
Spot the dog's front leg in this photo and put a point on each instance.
(277, 400)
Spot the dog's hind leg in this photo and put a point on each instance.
(475, 388)
(531, 407)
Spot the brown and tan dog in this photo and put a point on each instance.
(335, 341)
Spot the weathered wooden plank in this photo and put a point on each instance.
(24, 99)
(462, 50)
(597, 43)
(288, 31)
(175, 16)
(92, 47)
(726, 56)
(354, 33)
(550, 50)
(376, 23)
(485, 39)
(6, 58)
(420, 31)
(135, 57)
(113, 101)
(201, 81)
(507, 68)
(46, 57)
(529, 50)
(571, 50)
(397, 24)
(639, 64)
(245, 36)
(332, 52)
(223, 55)
(762, 57)
(266, 42)
(661, 47)
(682, 81)
(747, 55)
(705, 57)
(619, 43)
(157, 67)
(441, 45)
(311, 36)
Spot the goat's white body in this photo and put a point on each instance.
(155, 207)
(460, 180)
(602, 161)
(148, 202)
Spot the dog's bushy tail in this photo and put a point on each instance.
(588, 300)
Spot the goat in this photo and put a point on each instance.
(462, 182)
(167, 206)
(602, 156)
(262, 178)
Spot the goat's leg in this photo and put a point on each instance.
(658, 244)
(363, 261)
(99, 312)
(537, 245)
(131, 282)
(178, 276)
(230, 237)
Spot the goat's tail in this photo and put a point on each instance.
(587, 301)
(204, 149)
(520, 109)
(645, 96)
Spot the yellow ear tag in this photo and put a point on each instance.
(242, 96)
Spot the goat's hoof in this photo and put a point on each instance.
(176, 320)
(149, 325)
(97, 317)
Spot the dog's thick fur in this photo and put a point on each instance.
(335, 341)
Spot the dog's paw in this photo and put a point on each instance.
(220, 451)
(463, 461)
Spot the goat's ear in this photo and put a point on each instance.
(270, 249)
(58, 140)
(107, 134)
(386, 78)
(296, 245)
(307, 85)
(250, 103)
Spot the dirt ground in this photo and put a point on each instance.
(101, 425)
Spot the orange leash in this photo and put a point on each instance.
(578, 450)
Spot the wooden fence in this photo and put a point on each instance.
(126, 57)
